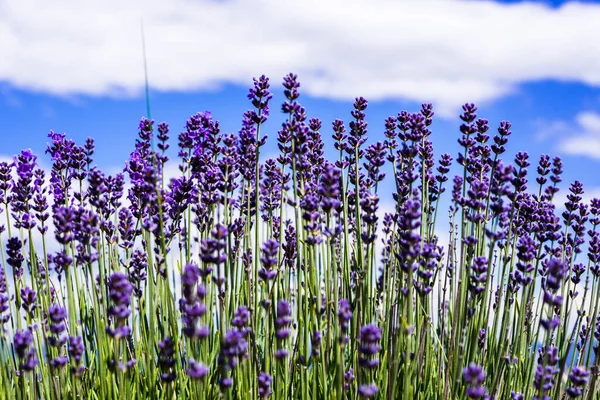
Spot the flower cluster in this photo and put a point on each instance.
(58, 328)
(474, 377)
(316, 273)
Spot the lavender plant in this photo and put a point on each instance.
(286, 278)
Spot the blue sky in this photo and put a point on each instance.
(77, 68)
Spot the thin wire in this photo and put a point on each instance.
(146, 85)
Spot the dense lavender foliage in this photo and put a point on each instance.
(246, 278)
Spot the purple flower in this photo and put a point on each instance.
(196, 370)
(15, 258)
(578, 377)
(64, 218)
(163, 137)
(234, 348)
(478, 275)
(241, 318)
(28, 300)
(264, 385)
(5, 181)
(191, 305)
(501, 139)
(138, 266)
(119, 292)
(316, 340)
(126, 228)
(23, 341)
(407, 248)
(226, 383)
(289, 247)
(89, 150)
(260, 96)
(358, 128)
(4, 305)
(268, 260)
(61, 261)
(555, 271)
(370, 335)
(474, 376)
(180, 195)
(58, 338)
(369, 205)
(282, 322)
(526, 252)
(546, 369)
(61, 151)
(59, 361)
(329, 187)
(482, 338)
(312, 217)
(375, 155)
(344, 316)
(212, 250)
(22, 189)
(40, 202)
(57, 316)
(76, 350)
(431, 254)
(271, 188)
(348, 379)
(166, 359)
(368, 391)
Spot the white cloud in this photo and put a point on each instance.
(579, 137)
(447, 52)
(550, 130)
(589, 121)
(585, 145)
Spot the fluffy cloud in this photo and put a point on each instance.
(447, 52)
(578, 137)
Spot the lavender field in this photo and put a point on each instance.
(247, 277)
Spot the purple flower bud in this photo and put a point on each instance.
(29, 300)
(344, 316)
(348, 379)
(138, 266)
(166, 359)
(264, 385)
(281, 354)
(474, 376)
(241, 317)
(196, 370)
(282, 321)
(368, 391)
(370, 335)
(119, 291)
(59, 361)
(226, 383)
(4, 305)
(316, 339)
(57, 315)
(233, 349)
(578, 377)
(269, 260)
(546, 369)
(25, 352)
(15, 258)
